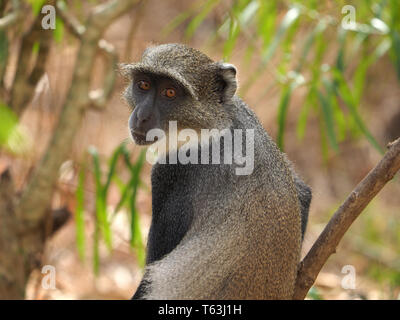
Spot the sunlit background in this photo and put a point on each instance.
(324, 86)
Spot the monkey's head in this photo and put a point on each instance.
(173, 82)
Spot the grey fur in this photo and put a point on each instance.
(215, 234)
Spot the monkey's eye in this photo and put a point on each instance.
(169, 92)
(144, 85)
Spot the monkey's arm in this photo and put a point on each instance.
(140, 291)
(171, 219)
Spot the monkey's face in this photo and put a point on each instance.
(173, 82)
(155, 100)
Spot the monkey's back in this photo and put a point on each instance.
(228, 236)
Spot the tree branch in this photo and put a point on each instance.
(139, 13)
(330, 237)
(37, 195)
(99, 97)
(25, 81)
(11, 266)
(13, 17)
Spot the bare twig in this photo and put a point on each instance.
(330, 237)
(99, 97)
(138, 14)
(11, 263)
(25, 80)
(73, 24)
(37, 195)
(12, 17)
(23, 220)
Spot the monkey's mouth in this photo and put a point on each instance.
(140, 138)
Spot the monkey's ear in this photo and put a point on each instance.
(125, 70)
(227, 73)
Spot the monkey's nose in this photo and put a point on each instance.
(139, 133)
(142, 117)
(141, 125)
(141, 121)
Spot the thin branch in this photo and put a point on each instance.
(99, 97)
(40, 64)
(138, 14)
(13, 17)
(72, 24)
(342, 219)
(37, 195)
(11, 262)
(25, 81)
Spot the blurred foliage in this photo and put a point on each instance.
(58, 32)
(384, 275)
(314, 294)
(331, 65)
(8, 124)
(332, 71)
(12, 136)
(103, 216)
(36, 5)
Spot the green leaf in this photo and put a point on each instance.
(96, 249)
(396, 51)
(267, 15)
(240, 17)
(328, 118)
(197, 20)
(112, 167)
(137, 241)
(58, 32)
(302, 121)
(380, 25)
(134, 186)
(79, 215)
(246, 14)
(127, 158)
(234, 31)
(314, 294)
(288, 20)
(321, 26)
(340, 56)
(3, 52)
(337, 112)
(36, 47)
(13, 137)
(249, 53)
(359, 78)
(324, 144)
(282, 113)
(124, 194)
(181, 18)
(37, 6)
(346, 95)
(101, 199)
(136, 237)
(8, 123)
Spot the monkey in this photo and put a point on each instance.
(214, 234)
